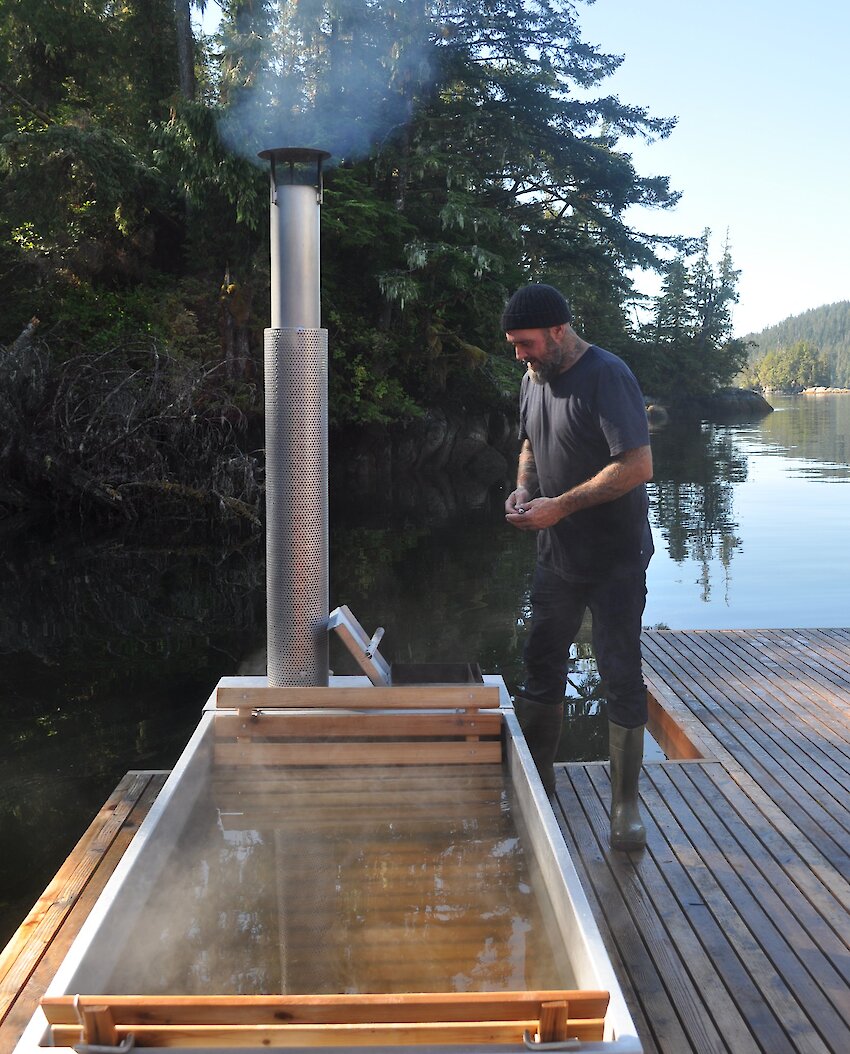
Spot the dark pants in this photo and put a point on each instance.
(616, 605)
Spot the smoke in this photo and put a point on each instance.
(344, 79)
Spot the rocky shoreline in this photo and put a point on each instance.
(740, 403)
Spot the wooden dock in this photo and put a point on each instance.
(731, 932)
(34, 953)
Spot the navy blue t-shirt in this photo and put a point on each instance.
(576, 424)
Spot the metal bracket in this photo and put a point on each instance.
(126, 1044)
(561, 1044)
(296, 156)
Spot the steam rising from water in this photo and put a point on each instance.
(316, 881)
(345, 83)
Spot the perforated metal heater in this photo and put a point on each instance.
(296, 405)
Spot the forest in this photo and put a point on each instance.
(474, 149)
(812, 348)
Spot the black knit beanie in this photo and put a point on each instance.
(535, 307)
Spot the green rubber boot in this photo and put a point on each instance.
(626, 746)
(541, 724)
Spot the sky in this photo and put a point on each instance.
(761, 150)
(762, 145)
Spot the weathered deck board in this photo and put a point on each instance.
(32, 956)
(731, 932)
(755, 744)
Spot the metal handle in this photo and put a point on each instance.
(372, 646)
(561, 1044)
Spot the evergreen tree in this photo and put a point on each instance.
(475, 150)
(466, 132)
(80, 198)
(688, 348)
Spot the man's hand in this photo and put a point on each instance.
(619, 476)
(533, 515)
(519, 497)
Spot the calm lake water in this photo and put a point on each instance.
(751, 521)
(109, 649)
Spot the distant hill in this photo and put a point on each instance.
(827, 328)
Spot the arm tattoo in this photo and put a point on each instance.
(527, 470)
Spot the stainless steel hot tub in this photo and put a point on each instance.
(343, 866)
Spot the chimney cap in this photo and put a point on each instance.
(294, 154)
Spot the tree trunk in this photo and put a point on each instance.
(185, 49)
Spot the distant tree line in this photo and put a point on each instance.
(789, 369)
(812, 348)
(475, 150)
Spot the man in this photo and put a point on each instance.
(583, 463)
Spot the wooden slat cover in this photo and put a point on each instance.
(368, 1035)
(366, 1020)
(399, 697)
(378, 725)
(418, 752)
(330, 1009)
(349, 740)
(553, 1026)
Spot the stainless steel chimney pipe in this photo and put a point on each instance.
(296, 407)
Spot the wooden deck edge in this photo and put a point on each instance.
(37, 947)
(674, 728)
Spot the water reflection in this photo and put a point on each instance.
(752, 530)
(691, 496)
(812, 432)
(109, 648)
(447, 588)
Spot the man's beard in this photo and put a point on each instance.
(545, 372)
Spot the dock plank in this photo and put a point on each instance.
(795, 691)
(780, 876)
(745, 744)
(747, 866)
(706, 928)
(683, 862)
(35, 951)
(763, 933)
(623, 941)
(755, 696)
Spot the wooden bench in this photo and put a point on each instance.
(329, 1020)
